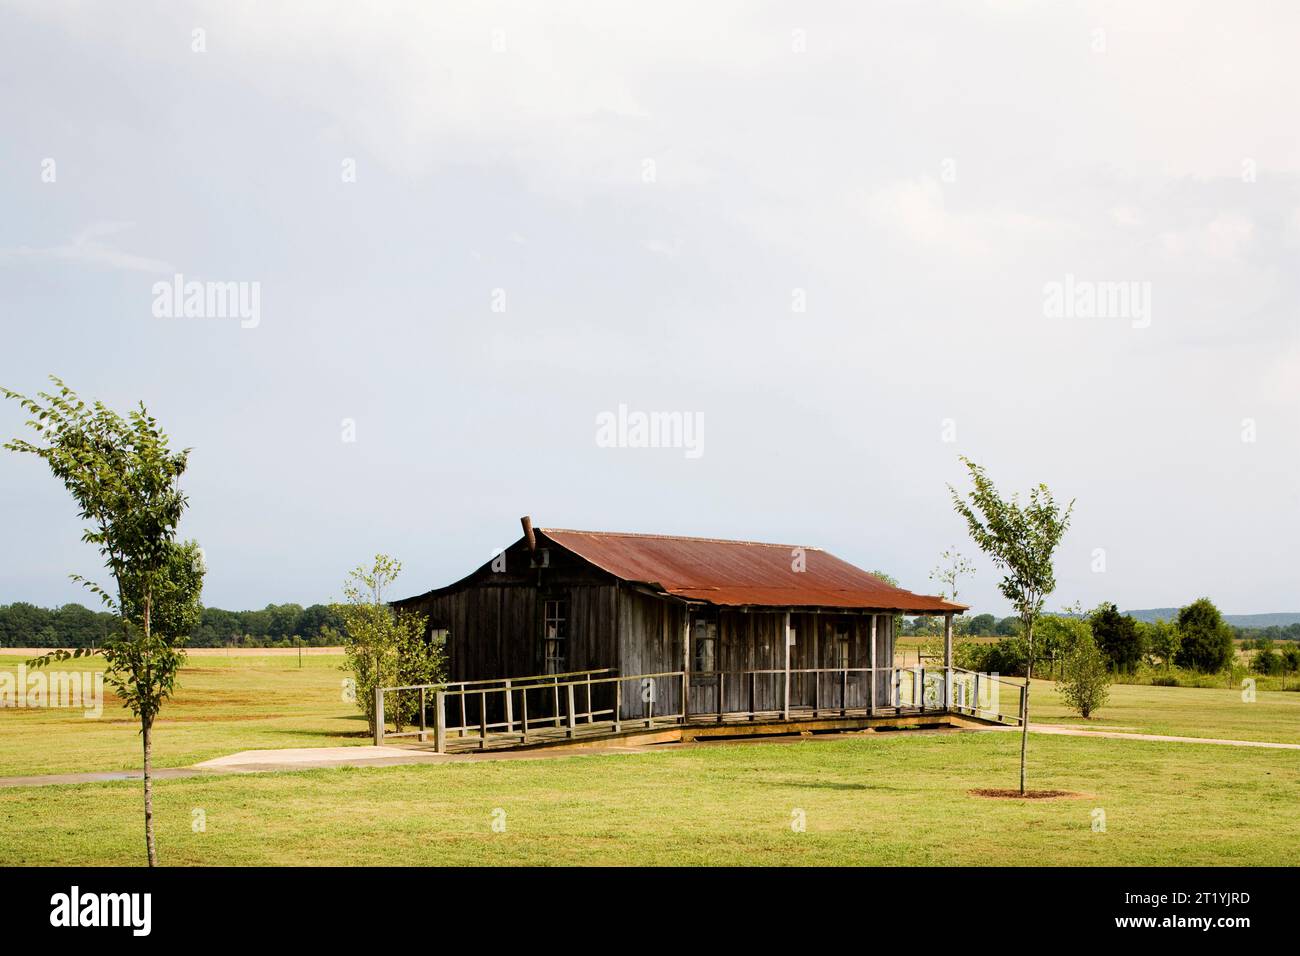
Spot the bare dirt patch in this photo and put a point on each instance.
(1011, 794)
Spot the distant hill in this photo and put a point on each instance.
(1281, 619)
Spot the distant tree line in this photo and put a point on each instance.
(1197, 640)
(1259, 637)
(986, 625)
(72, 625)
(981, 625)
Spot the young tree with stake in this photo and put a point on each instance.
(125, 480)
(1021, 539)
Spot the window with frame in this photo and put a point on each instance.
(704, 644)
(555, 636)
(842, 645)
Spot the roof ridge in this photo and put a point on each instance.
(678, 537)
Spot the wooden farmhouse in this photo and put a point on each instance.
(718, 627)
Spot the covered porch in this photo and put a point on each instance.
(546, 710)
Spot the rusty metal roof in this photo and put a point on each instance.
(742, 573)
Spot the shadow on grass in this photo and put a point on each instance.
(336, 734)
(822, 785)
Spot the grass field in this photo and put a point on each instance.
(871, 799)
(252, 701)
(1180, 711)
(223, 703)
(897, 798)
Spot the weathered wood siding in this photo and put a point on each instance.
(494, 623)
(650, 634)
(494, 617)
(752, 641)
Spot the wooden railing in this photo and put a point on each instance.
(567, 702)
(988, 696)
(571, 703)
(463, 690)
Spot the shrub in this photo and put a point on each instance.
(1008, 656)
(1161, 640)
(1085, 683)
(1054, 637)
(1118, 637)
(1205, 640)
(971, 655)
(1266, 662)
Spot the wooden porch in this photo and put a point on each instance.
(590, 706)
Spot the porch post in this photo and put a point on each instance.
(947, 660)
(686, 663)
(872, 701)
(785, 709)
(440, 722)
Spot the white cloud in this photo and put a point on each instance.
(1222, 239)
(662, 247)
(85, 248)
(1127, 216)
(918, 210)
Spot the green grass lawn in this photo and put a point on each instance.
(222, 705)
(1180, 711)
(898, 798)
(867, 799)
(252, 702)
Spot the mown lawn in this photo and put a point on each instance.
(222, 705)
(896, 798)
(1180, 712)
(250, 702)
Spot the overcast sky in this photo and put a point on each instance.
(828, 232)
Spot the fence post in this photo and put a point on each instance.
(720, 689)
(510, 709)
(844, 693)
(423, 721)
(379, 716)
(440, 722)
(482, 721)
(523, 706)
(618, 705)
(975, 704)
(752, 679)
(569, 688)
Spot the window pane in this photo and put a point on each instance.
(555, 632)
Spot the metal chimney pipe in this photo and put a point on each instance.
(527, 522)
